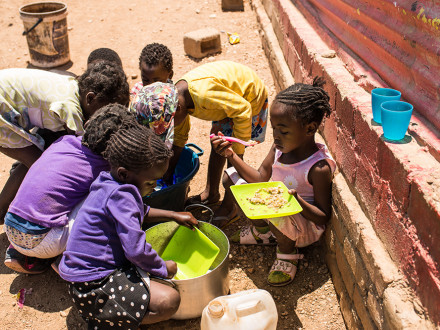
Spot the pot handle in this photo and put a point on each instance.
(211, 212)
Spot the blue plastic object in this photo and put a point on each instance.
(380, 95)
(396, 116)
(173, 197)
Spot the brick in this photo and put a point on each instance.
(346, 158)
(329, 240)
(378, 263)
(201, 43)
(428, 284)
(344, 268)
(387, 223)
(366, 137)
(374, 305)
(361, 310)
(424, 211)
(344, 108)
(350, 317)
(391, 168)
(357, 268)
(368, 186)
(330, 132)
(232, 5)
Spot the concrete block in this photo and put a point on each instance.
(399, 310)
(378, 263)
(232, 5)
(329, 240)
(201, 43)
(374, 305)
(337, 226)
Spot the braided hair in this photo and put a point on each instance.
(136, 148)
(155, 54)
(104, 123)
(306, 103)
(104, 54)
(107, 80)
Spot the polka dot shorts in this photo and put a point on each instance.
(118, 301)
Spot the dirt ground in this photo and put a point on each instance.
(310, 302)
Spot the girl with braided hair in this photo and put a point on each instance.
(107, 259)
(305, 167)
(39, 218)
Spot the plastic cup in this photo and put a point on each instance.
(395, 119)
(380, 95)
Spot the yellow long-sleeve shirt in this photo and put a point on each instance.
(223, 89)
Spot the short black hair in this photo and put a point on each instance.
(306, 103)
(136, 148)
(155, 54)
(107, 80)
(104, 123)
(104, 54)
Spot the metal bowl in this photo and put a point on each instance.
(196, 292)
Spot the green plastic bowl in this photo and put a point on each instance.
(193, 252)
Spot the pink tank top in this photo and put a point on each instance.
(295, 176)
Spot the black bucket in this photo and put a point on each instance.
(173, 198)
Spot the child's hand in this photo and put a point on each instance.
(293, 192)
(171, 268)
(186, 219)
(220, 146)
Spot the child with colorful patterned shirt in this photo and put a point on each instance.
(33, 100)
(304, 166)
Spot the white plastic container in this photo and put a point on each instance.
(251, 309)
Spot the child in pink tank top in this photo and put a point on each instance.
(306, 168)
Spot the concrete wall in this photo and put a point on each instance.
(382, 240)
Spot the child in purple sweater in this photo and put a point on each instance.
(107, 259)
(39, 218)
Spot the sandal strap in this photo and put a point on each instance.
(283, 266)
(248, 235)
(290, 256)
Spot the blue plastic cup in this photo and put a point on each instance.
(395, 119)
(380, 95)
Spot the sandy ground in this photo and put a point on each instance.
(310, 302)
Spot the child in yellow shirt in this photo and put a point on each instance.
(234, 98)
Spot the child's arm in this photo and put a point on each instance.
(182, 218)
(320, 176)
(246, 171)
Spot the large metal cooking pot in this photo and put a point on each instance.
(196, 292)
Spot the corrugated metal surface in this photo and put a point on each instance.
(400, 40)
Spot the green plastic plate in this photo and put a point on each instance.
(252, 211)
(193, 252)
